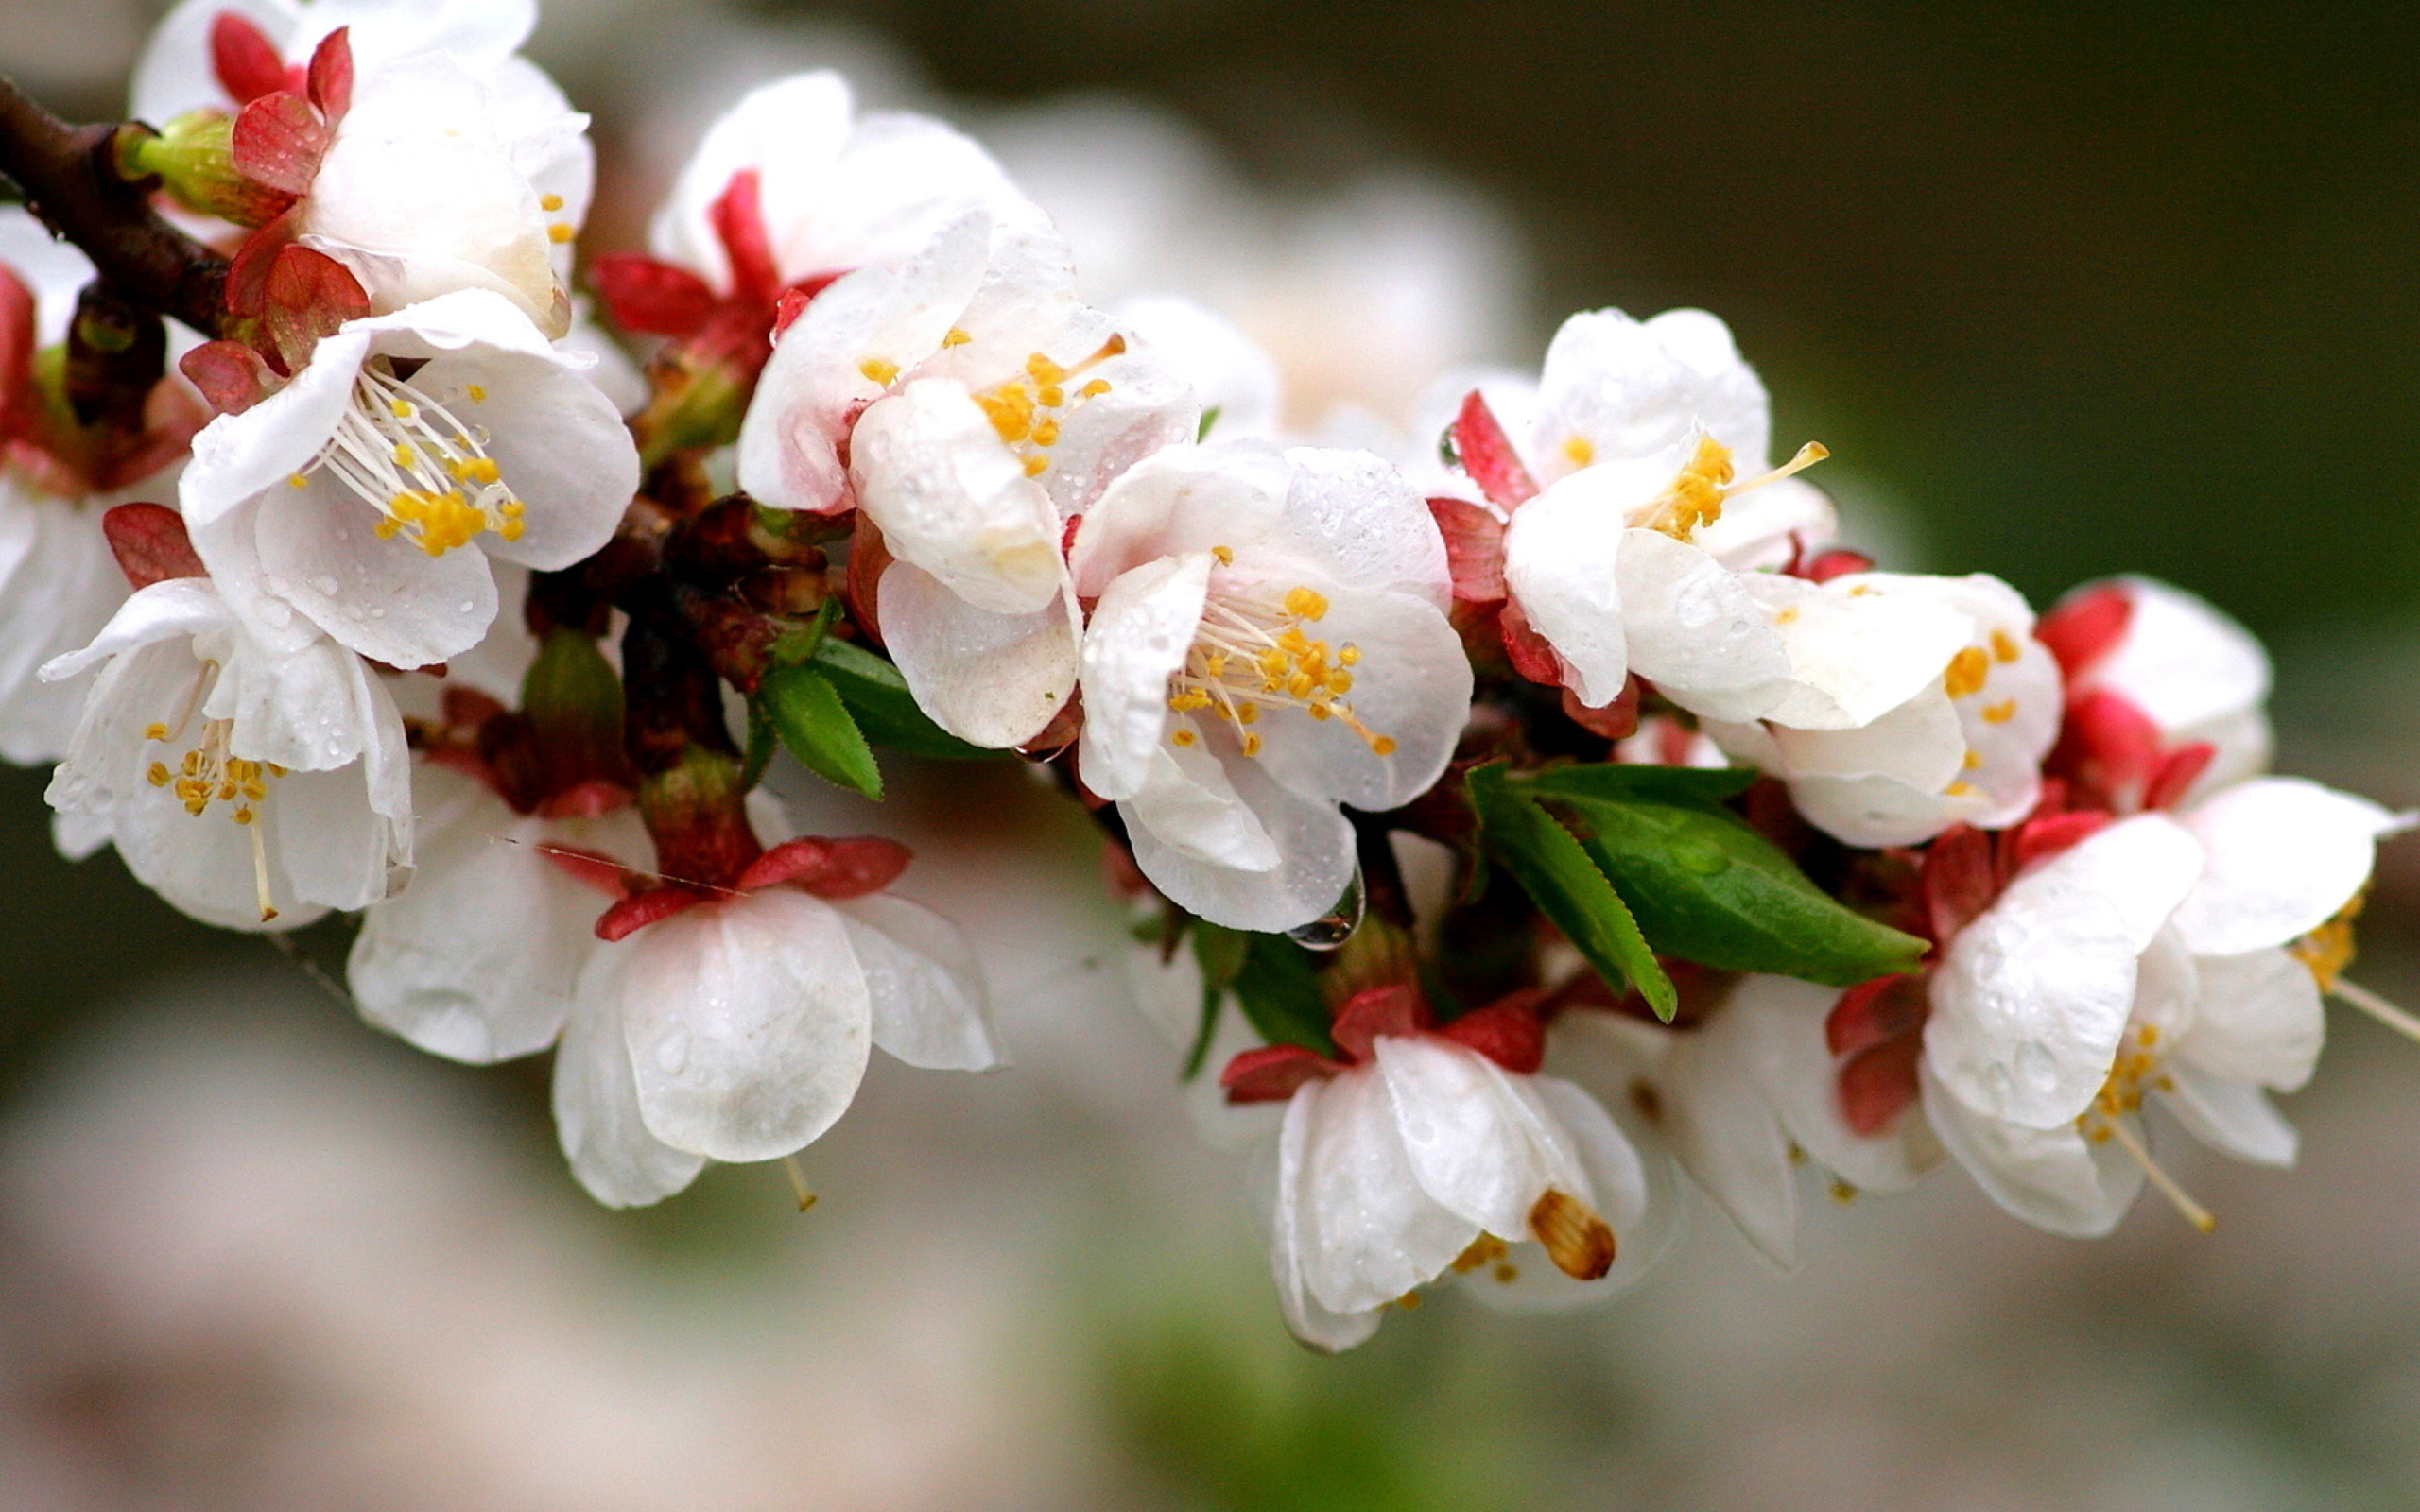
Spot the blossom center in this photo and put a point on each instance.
(2138, 1069)
(1027, 409)
(1249, 653)
(1704, 483)
(422, 467)
(209, 774)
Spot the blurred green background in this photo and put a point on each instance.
(2068, 290)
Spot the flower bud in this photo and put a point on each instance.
(194, 158)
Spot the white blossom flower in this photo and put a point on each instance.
(1742, 1098)
(2165, 695)
(1269, 642)
(445, 162)
(246, 782)
(1978, 710)
(1422, 1156)
(342, 501)
(980, 407)
(2154, 960)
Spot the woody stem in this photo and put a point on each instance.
(70, 182)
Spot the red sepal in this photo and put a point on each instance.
(230, 374)
(1617, 720)
(1274, 1073)
(1879, 1084)
(795, 299)
(308, 295)
(246, 61)
(738, 219)
(2087, 625)
(2049, 834)
(1531, 653)
(1508, 1031)
(1832, 564)
(150, 545)
(279, 140)
(829, 869)
(1872, 1013)
(2177, 775)
(641, 909)
(1959, 881)
(18, 402)
(647, 296)
(869, 554)
(247, 272)
(330, 79)
(1364, 1016)
(1488, 456)
(1474, 548)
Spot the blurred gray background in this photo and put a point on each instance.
(2075, 290)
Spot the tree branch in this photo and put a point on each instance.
(70, 183)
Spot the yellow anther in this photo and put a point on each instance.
(550, 203)
(1251, 744)
(1961, 788)
(2327, 950)
(1092, 390)
(1966, 671)
(1050, 396)
(2004, 646)
(1226, 555)
(1184, 736)
(1349, 656)
(1246, 712)
(400, 408)
(1036, 466)
(560, 233)
(1305, 604)
(296, 480)
(1788, 615)
(1042, 371)
(243, 815)
(1322, 711)
(1383, 745)
(955, 337)
(403, 454)
(879, 370)
(157, 774)
(1579, 450)
(1339, 682)
(2000, 713)
(1974, 759)
(1047, 433)
(155, 731)
(479, 394)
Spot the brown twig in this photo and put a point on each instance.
(69, 181)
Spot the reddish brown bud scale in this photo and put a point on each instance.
(1507, 1031)
(641, 909)
(150, 545)
(656, 299)
(1274, 1073)
(828, 868)
(1879, 1083)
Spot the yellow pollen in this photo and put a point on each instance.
(1248, 651)
(1966, 671)
(157, 774)
(1036, 466)
(477, 392)
(2327, 950)
(879, 370)
(400, 408)
(1974, 759)
(1093, 389)
(560, 233)
(296, 480)
(1251, 744)
(1579, 450)
(1961, 788)
(1050, 396)
(402, 456)
(2004, 647)
(1047, 433)
(1304, 603)
(1226, 555)
(1703, 485)
(155, 731)
(401, 450)
(1349, 656)
(2000, 713)
(1184, 737)
(1483, 1250)
(550, 203)
(1788, 615)
(955, 337)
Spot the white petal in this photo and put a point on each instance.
(557, 439)
(749, 1024)
(1369, 1231)
(1859, 645)
(1481, 1143)
(1783, 1021)
(1561, 559)
(236, 457)
(1180, 501)
(2285, 855)
(175, 74)
(388, 599)
(65, 589)
(2183, 662)
(1411, 685)
(1231, 378)
(994, 680)
(1726, 1134)
(1140, 634)
(2232, 1117)
(597, 1103)
(2053, 1178)
(1695, 632)
(1920, 744)
(1364, 523)
(2030, 999)
(1632, 388)
(1296, 1237)
(924, 988)
(951, 497)
(1291, 858)
(1188, 806)
(2258, 1018)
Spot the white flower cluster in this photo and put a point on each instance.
(406, 475)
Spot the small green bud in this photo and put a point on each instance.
(194, 158)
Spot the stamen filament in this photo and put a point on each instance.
(2194, 1214)
(2401, 1020)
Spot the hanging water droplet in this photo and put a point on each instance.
(1337, 925)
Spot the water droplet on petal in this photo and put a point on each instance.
(468, 605)
(1337, 925)
(672, 1052)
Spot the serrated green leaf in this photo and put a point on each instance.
(1707, 887)
(1519, 835)
(1277, 986)
(761, 741)
(1706, 787)
(885, 710)
(815, 726)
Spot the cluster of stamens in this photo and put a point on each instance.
(208, 773)
(1967, 673)
(1027, 409)
(2134, 1072)
(426, 472)
(1248, 655)
(1703, 485)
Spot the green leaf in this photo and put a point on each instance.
(1704, 787)
(1707, 888)
(885, 710)
(761, 740)
(1209, 418)
(1276, 984)
(1221, 954)
(799, 642)
(1522, 837)
(806, 711)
